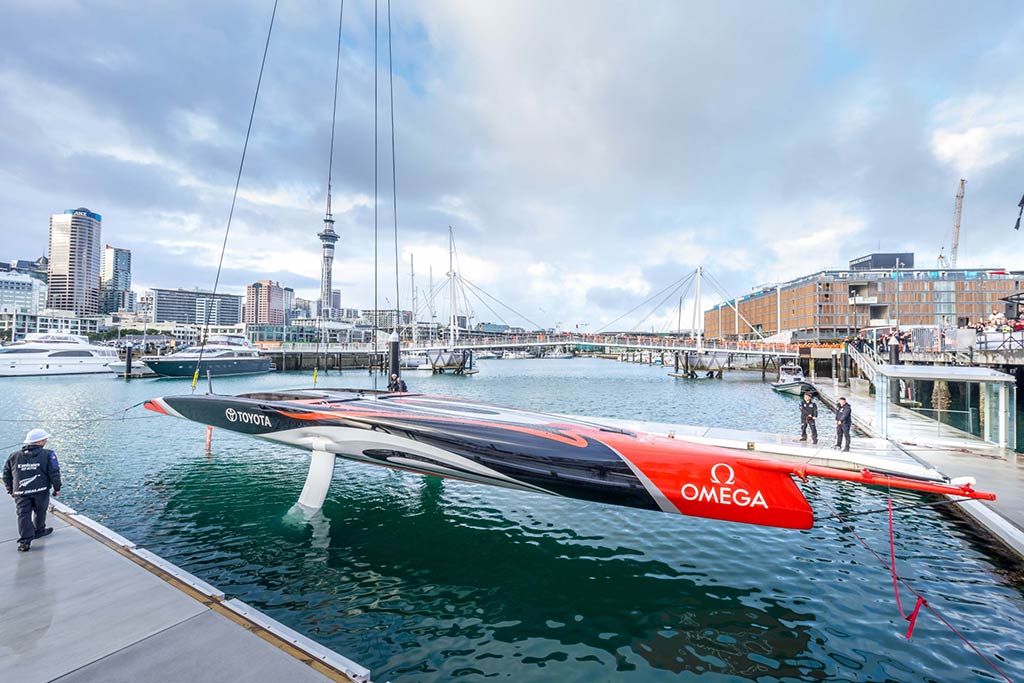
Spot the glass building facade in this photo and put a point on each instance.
(74, 263)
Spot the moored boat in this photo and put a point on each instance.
(791, 380)
(223, 355)
(54, 353)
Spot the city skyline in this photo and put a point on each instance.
(580, 176)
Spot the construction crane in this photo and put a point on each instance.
(957, 212)
(955, 246)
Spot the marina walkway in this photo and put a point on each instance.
(85, 604)
(955, 453)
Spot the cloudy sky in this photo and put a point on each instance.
(587, 154)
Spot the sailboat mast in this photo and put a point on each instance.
(451, 286)
(696, 310)
(431, 305)
(679, 318)
(412, 279)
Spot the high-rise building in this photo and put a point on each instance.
(265, 303)
(116, 281)
(289, 304)
(192, 306)
(74, 262)
(303, 308)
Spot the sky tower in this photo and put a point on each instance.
(327, 238)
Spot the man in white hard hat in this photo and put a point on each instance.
(29, 473)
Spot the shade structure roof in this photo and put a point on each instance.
(949, 373)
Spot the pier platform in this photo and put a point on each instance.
(85, 604)
(955, 453)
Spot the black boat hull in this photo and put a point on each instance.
(170, 367)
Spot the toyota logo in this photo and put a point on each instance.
(231, 414)
(730, 474)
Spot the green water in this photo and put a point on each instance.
(429, 580)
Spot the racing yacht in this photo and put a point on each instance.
(531, 451)
(223, 355)
(54, 353)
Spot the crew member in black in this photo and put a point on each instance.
(808, 417)
(28, 475)
(843, 420)
(397, 384)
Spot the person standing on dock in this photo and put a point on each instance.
(28, 475)
(844, 419)
(397, 384)
(808, 417)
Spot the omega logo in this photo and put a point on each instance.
(723, 493)
(728, 468)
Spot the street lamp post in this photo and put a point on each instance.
(898, 295)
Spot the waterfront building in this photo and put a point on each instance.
(872, 292)
(116, 281)
(144, 306)
(19, 324)
(73, 271)
(192, 306)
(492, 328)
(37, 269)
(385, 319)
(313, 330)
(21, 293)
(265, 303)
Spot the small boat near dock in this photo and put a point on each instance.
(791, 380)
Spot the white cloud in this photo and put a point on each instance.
(976, 133)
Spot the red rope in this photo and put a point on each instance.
(912, 618)
(921, 601)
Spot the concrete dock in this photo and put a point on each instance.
(85, 604)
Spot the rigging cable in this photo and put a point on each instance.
(661, 303)
(481, 290)
(394, 182)
(234, 197)
(330, 177)
(649, 299)
(376, 307)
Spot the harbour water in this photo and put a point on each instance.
(428, 580)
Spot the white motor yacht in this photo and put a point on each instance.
(224, 354)
(54, 353)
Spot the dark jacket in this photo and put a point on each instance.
(808, 410)
(33, 469)
(844, 414)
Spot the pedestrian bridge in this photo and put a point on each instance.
(592, 342)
